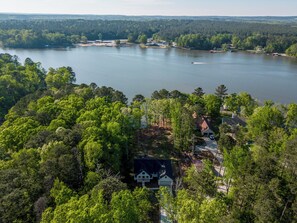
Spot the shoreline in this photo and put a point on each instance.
(125, 44)
(144, 46)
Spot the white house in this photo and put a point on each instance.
(147, 171)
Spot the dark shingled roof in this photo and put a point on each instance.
(153, 166)
(234, 121)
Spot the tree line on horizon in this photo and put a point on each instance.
(195, 34)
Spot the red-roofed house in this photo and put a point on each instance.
(204, 126)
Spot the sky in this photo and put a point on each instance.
(153, 7)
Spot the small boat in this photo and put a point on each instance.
(198, 63)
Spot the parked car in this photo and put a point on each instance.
(212, 137)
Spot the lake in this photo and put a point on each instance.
(141, 71)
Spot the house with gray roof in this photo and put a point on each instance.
(234, 122)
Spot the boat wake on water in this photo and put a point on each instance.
(198, 63)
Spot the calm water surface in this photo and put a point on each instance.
(141, 71)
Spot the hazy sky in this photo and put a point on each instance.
(153, 7)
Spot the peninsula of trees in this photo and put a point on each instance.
(67, 150)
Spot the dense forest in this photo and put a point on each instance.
(188, 33)
(67, 150)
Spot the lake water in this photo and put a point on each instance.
(141, 71)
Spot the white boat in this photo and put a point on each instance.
(198, 63)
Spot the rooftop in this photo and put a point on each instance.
(234, 121)
(204, 123)
(153, 166)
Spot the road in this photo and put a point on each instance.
(212, 146)
(164, 217)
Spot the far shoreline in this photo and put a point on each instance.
(143, 46)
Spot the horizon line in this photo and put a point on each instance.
(135, 15)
